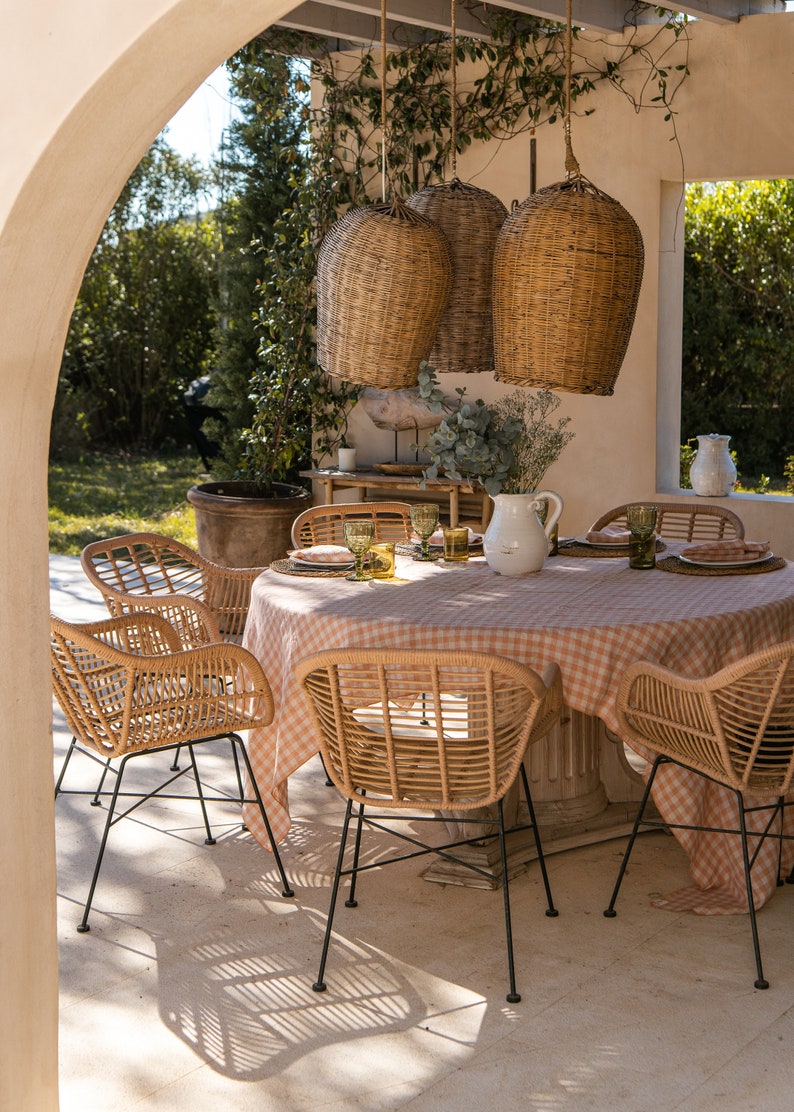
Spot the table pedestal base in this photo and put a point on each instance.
(584, 788)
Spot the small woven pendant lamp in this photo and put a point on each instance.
(471, 219)
(567, 275)
(384, 275)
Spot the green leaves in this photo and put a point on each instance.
(738, 332)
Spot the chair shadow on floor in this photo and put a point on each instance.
(234, 963)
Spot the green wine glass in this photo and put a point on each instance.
(641, 520)
(424, 518)
(359, 536)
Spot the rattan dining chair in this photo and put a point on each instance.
(406, 734)
(127, 688)
(683, 521)
(324, 524)
(146, 571)
(735, 728)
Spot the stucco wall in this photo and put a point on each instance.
(87, 85)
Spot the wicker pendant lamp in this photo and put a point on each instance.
(384, 275)
(471, 219)
(567, 275)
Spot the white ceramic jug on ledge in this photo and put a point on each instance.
(713, 472)
(515, 542)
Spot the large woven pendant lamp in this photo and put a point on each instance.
(567, 275)
(470, 218)
(384, 274)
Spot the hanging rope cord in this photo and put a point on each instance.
(571, 165)
(453, 59)
(453, 107)
(384, 159)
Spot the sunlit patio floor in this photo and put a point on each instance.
(192, 990)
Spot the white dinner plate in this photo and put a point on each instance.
(726, 563)
(601, 544)
(342, 565)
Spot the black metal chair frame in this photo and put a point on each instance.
(114, 795)
(375, 821)
(776, 807)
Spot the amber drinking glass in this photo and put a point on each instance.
(424, 518)
(358, 538)
(641, 520)
(381, 560)
(456, 544)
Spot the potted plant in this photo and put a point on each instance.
(281, 411)
(507, 447)
(246, 520)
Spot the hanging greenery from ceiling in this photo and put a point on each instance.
(520, 86)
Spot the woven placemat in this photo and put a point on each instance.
(286, 567)
(435, 549)
(672, 563)
(593, 553)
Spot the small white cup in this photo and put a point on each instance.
(346, 459)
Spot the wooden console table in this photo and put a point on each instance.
(331, 479)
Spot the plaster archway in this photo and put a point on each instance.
(90, 90)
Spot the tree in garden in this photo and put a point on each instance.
(278, 405)
(142, 326)
(738, 342)
(263, 151)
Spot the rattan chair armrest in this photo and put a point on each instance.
(146, 633)
(120, 701)
(715, 724)
(194, 621)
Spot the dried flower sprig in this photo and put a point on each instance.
(541, 441)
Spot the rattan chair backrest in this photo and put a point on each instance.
(124, 684)
(425, 728)
(324, 524)
(736, 726)
(684, 521)
(138, 565)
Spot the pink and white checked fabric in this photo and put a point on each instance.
(593, 617)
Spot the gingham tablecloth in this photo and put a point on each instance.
(593, 617)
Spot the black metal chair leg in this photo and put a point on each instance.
(209, 840)
(761, 981)
(781, 808)
(174, 766)
(235, 741)
(66, 760)
(83, 925)
(609, 912)
(513, 997)
(551, 910)
(320, 985)
(96, 801)
(286, 891)
(351, 900)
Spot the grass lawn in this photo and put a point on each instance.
(105, 496)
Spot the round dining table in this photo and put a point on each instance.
(592, 616)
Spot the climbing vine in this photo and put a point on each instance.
(513, 83)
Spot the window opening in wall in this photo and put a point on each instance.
(738, 327)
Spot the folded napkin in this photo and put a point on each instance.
(438, 537)
(610, 534)
(324, 554)
(736, 550)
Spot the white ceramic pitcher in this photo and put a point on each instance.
(515, 542)
(713, 472)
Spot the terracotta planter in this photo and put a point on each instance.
(239, 530)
